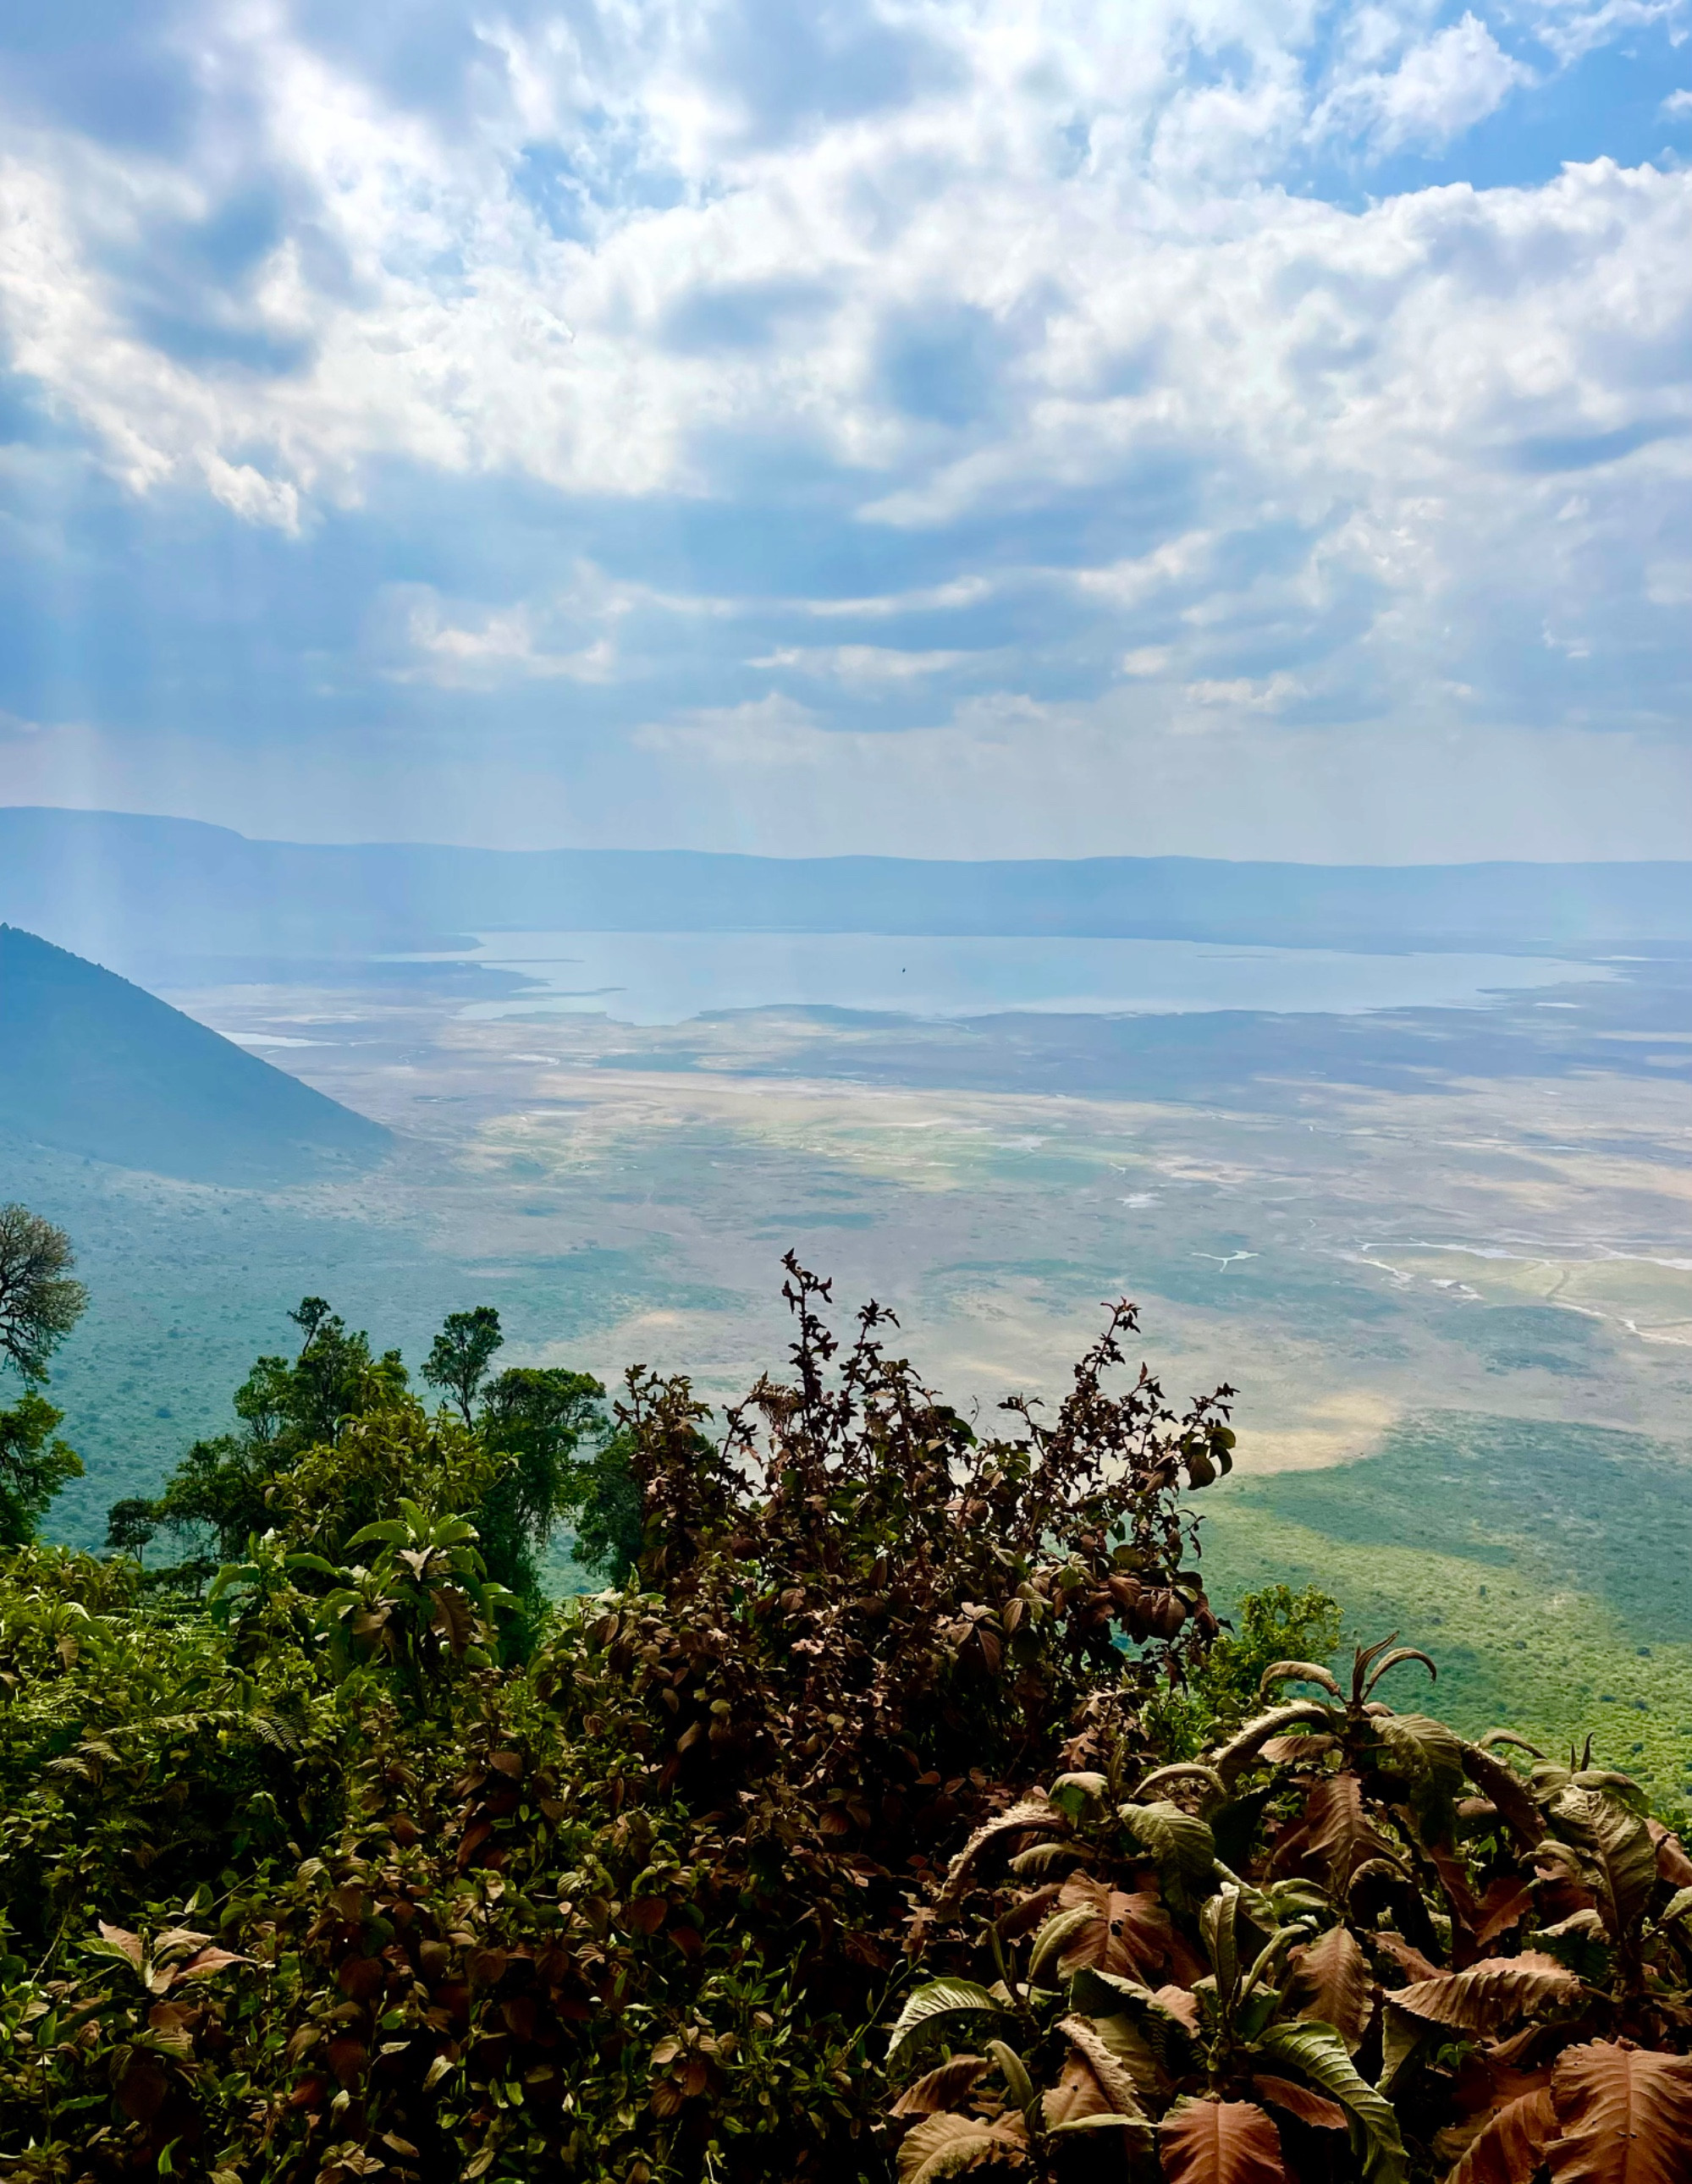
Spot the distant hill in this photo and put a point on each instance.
(93, 1065)
(131, 889)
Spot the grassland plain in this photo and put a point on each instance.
(1443, 1256)
(1544, 1568)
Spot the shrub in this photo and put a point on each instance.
(900, 1812)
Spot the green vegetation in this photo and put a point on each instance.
(1469, 1531)
(900, 1809)
(329, 1439)
(189, 1285)
(40, 1302)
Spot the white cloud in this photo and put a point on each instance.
(1243, 695)
(961, 591)
(1042, 350)
(569, 637)
(455, 658)
(1440, 87)
(863, 664)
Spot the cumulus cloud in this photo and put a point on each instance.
(1065, 358)
(1437, 88)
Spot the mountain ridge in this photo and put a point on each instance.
(120, 885)
(91, 1063)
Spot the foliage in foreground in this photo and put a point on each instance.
(905, 1813)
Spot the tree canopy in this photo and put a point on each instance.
(40, 1298)
(906, 1811)
(40, 1302)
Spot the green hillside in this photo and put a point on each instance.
(1543, 1565)
(90, 1064)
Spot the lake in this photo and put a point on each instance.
(648, 978)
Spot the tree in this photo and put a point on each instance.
(34, 1465)
(458, 1359)
(131, 1526)
(334, 1377)
(607, 1515)
(220, 1492)
(40, 1302)
(537, 1417)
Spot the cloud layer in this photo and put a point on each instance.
(1229, 424)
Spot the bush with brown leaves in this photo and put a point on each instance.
(1344, 1942)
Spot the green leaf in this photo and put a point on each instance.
(1319, 2054)
(1048, 1943)
(1014, 2072)
(1677, 1907)
(387, 1532)
(928, 2009)
(1073, 1793)
(1423, 1747)
(1216, 1922)
(1182, 1845)
(315, 1563)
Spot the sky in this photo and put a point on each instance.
(1250, 428)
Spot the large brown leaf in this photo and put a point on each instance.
(1129, 1935)
(1629, 1855)
(1672, 1861)
(1299, 2101)
(1626, 2116)
(943, 2088)
(1491, 1993)
(1220, 2142)
(1077, 2097)
(1330, 1982)
(1513, 2143)
(1109, 2075)
(1615, 1847)
(1408, 1958)
(1509, 1793)
(1035, 1814)
(1507, 1902)
(949, 2145)
(1334, 1835)
(453, 1617)
(1128, 2048)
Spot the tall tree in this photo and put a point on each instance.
(460, 1354)
(40, 1301)
(34, 1465)
(536, 1417)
